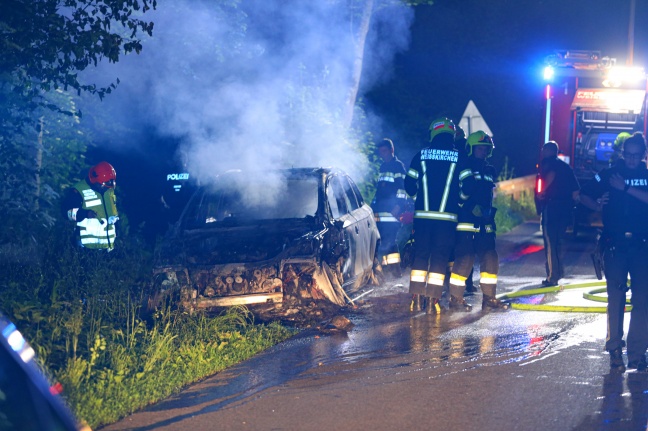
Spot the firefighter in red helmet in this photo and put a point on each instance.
(91, 204)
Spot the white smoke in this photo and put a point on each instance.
(257, 85)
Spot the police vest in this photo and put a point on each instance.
(96, 233)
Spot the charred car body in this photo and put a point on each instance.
(273, 238)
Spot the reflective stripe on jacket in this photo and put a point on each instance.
(433, 177)
(96, 233)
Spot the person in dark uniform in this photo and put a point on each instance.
(621, 193)
(433, 177)
(555, 201)
(389, 202)
(476, 227)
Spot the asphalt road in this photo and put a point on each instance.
(397, 370)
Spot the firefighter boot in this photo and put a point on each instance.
(432, 306)
(471, 289)
(616, 360)
(492, 303)
(415, 305)
(459, 304)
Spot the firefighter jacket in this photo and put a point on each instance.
(623, 213)
(390, 191)
(94, 233)
(477, 197)
(433, 177)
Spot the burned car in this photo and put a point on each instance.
(273, 238)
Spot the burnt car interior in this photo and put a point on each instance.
(301, 233)
(235, 198)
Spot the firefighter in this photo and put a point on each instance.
(389, 202)
(460, 144)
(433, 177)
(621, 193)
(555, 203)
(476, 227)
(91, 204)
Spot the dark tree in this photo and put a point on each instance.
(44, 45)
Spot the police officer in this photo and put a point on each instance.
(91, 204)
(433, 177)
(388, 204)
(621, 193)
(555, 203)
(476, 227)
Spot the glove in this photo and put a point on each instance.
(407, 217)
(113, 219)
(477, 211)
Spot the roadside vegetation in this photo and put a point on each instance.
(513, 212)
(82, 314)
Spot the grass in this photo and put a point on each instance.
(512, 212)
(81, 313)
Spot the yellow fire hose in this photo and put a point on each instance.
(590, 295)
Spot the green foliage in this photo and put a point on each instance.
(507, 172)
(512, 212)
(363, 139)
(44, 45)
(70, 36)
(117, 378)
(81, 311)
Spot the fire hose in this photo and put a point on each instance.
(589, 295)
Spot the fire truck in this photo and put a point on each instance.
(589, 100)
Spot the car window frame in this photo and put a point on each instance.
(334, 185)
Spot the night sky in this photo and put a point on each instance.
(492, 52)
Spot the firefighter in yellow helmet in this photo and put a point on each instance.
(433, 177)
(91, 204)
(615, 157)
(476, 227)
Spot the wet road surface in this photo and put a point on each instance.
(397, 370)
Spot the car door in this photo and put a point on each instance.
(367, 232)
(340, 205)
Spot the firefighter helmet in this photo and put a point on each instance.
(620, 139)
(442, 125)
(479, 138)
(102, 173)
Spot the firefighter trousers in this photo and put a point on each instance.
(433, 244)
(622, 258)
(388, 250)
(468, 245)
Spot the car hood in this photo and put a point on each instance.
(239, 241)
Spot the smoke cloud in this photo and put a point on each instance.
(256, 85)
